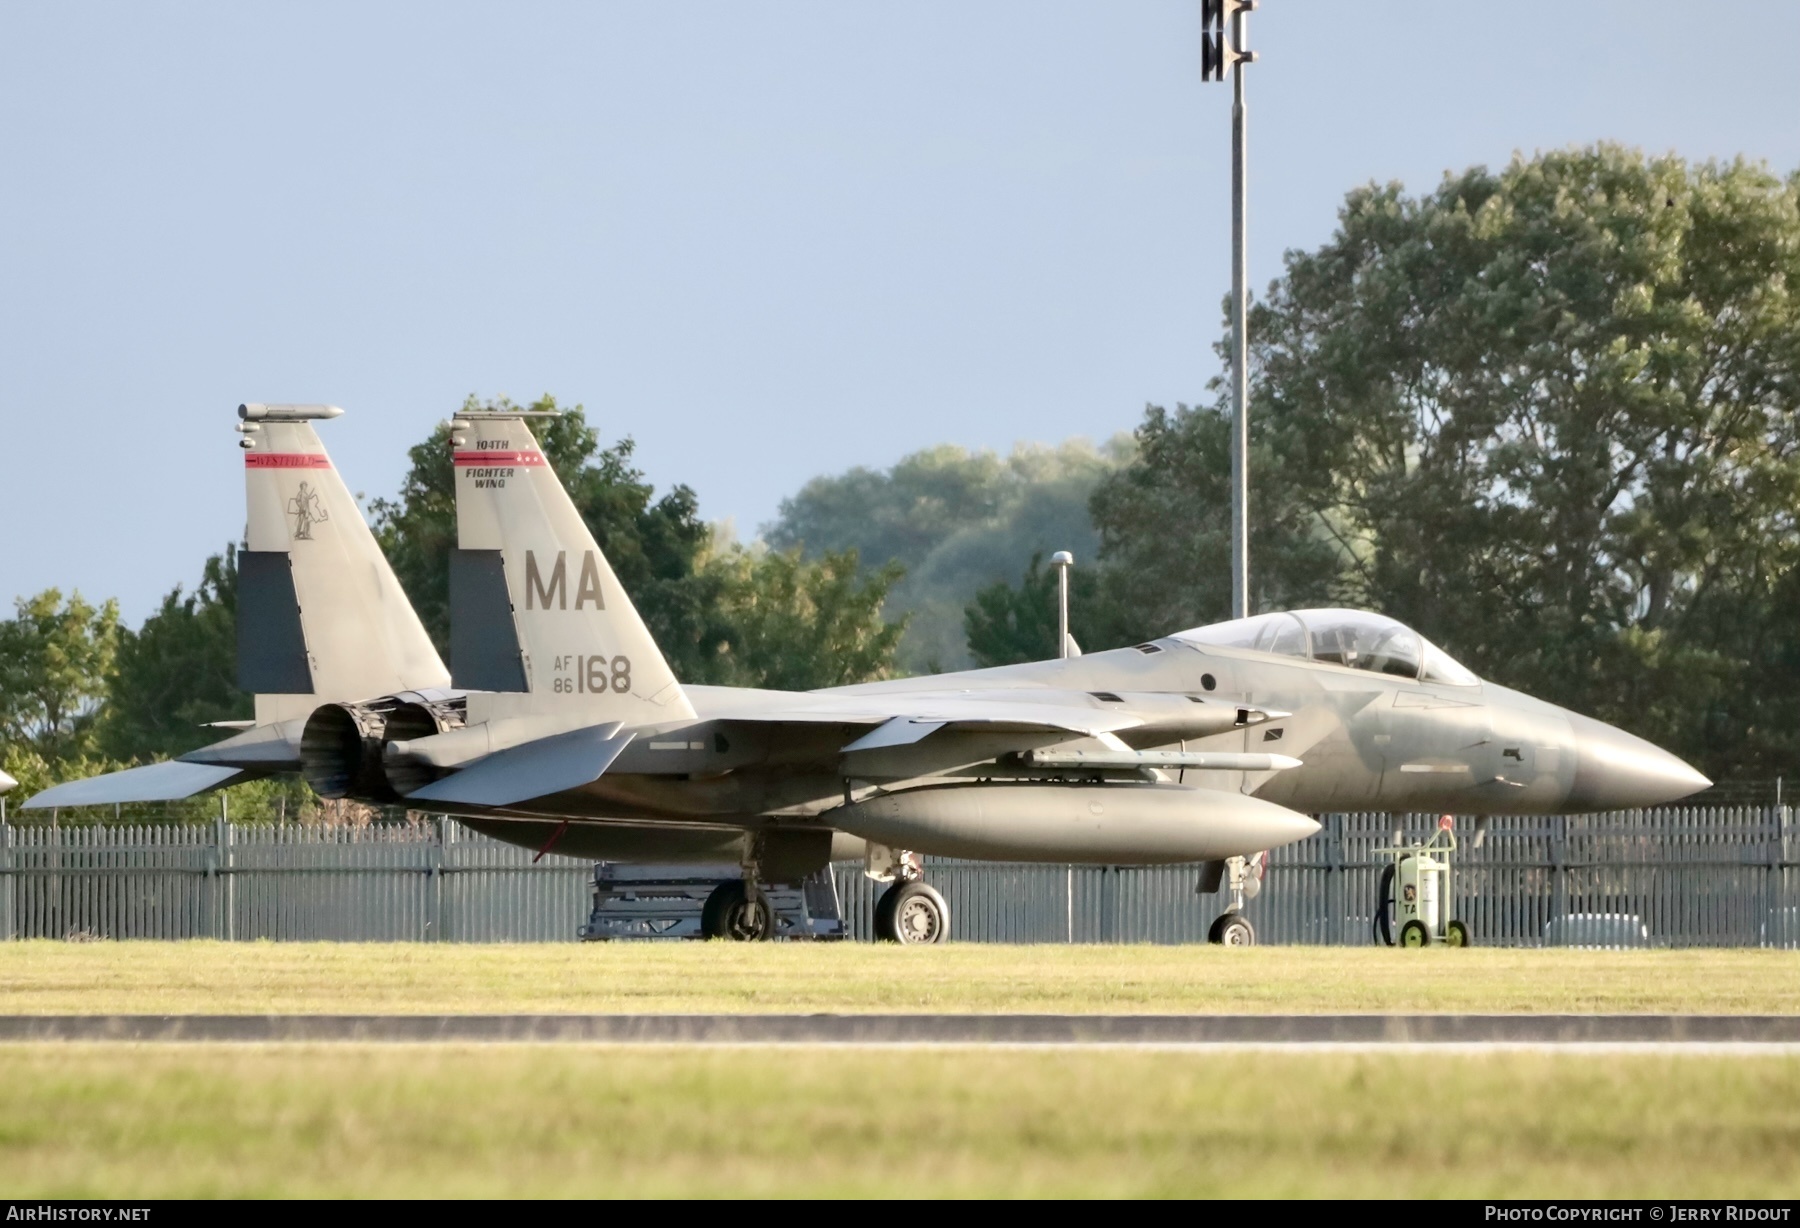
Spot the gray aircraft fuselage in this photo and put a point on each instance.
(1366, 741)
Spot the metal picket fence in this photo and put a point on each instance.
(428, 881)
(1718, 876)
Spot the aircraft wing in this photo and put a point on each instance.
(905, 728)
(159, 782)
(906, 717)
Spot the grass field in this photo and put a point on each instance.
(115, 1120)
(128, 1121)
(256, 978)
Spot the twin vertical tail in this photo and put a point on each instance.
(321, 620)
(538, 619)
(321, 617)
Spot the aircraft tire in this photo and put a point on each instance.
(1384, 906)
(1232, 929)
(738, 915)
(912, 914)
(1414, 934)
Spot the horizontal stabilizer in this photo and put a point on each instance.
(536, 769)
(262, 748)
(159, 782)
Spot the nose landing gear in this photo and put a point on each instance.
(1242, 876)
(1232, 930)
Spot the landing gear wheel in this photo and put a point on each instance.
(1456, 934)
(738, 913)
(1232, 930)
(913, 914)
(1414, 934)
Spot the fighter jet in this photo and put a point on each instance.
(321, 618)
(567, 730)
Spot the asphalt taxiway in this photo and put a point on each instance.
(1762, 1034)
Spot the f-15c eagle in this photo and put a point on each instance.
(559, 723)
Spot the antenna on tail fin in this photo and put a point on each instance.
(534, 604)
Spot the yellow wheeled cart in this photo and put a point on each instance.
(1415, 898)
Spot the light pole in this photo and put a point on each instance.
(1062, 560)
(1220, 47)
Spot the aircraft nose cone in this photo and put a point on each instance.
(1616, 771)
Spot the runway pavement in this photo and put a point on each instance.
(1721, 1033)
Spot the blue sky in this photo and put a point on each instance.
(768, 240)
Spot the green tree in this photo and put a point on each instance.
(956, 521)
(178, 671)
(655, 545)
(55, 656)
(1165, 526)
(899, 514)
(1547, 415)
(799, 624)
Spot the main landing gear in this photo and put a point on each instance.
(910, 911)
(739, 911)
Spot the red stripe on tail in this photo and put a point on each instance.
(498, 458)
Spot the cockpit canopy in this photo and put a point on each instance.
(1351, 638)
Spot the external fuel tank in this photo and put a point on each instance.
(1112, 824)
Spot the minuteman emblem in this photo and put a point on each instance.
(306, 510)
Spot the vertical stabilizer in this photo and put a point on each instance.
(321, 617)
(535, 604)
